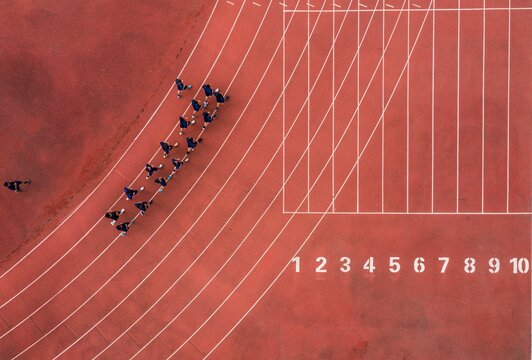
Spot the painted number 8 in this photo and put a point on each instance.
(469, 265)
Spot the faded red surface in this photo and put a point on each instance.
(75, 78)
(205, 272)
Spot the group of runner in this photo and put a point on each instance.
(177, 163)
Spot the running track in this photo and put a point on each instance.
(217, 240)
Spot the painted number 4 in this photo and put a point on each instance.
(368, 265)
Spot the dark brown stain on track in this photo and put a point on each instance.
(76, 82)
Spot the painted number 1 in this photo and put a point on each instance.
(297, 262)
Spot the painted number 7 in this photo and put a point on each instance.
(444, 265)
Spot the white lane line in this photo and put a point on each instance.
(230, 3)
(101, 182)
(336, 5)
(119, 159)
(260, 176)
(283, 4)
(416, 5)
(283, 269)
(414, 213)
(323, 169)
(390, 6)
(483, 99)
(493, 9)
(308, 110)
(333, 104)
(382, 107)
(408, 112)
(256, 4)
(269, 65)
(458, 113)
(508, 116)
(309, 4)
(283, 39)
(272, 158)
(432, 109)
(358, 106)
(364, 6)
(118, 236)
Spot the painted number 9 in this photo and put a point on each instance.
(495, 265)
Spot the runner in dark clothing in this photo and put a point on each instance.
(131, 192)
(207, 119)
(196, 106)
(166, 147)
(184, 123)
(208, 93)
(161, 181)
(181, 86)
(15, 185)
(220, 98)
(151, 169)
(114, 215)
(191, 143)
(177, 165)
(143, 206)
(124, 227)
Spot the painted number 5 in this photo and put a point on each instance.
(394, 264)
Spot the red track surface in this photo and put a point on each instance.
(216, 242)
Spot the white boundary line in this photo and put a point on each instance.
(275, 198)
(308, 109)
(403, 213)
(420, 10)
(271, 160)
(333, 105)
(284, 107)
(100, 218)
(248, 194)
(432, 108)
(458, 112)
(180, 201)
(358, 105)
(267, 249)
(483, 98)
(408, 112)
(382, 105)
(119, 159)
(118, 236)
(101, 253)
(508, 114)
(280, 273)
(238, 207)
